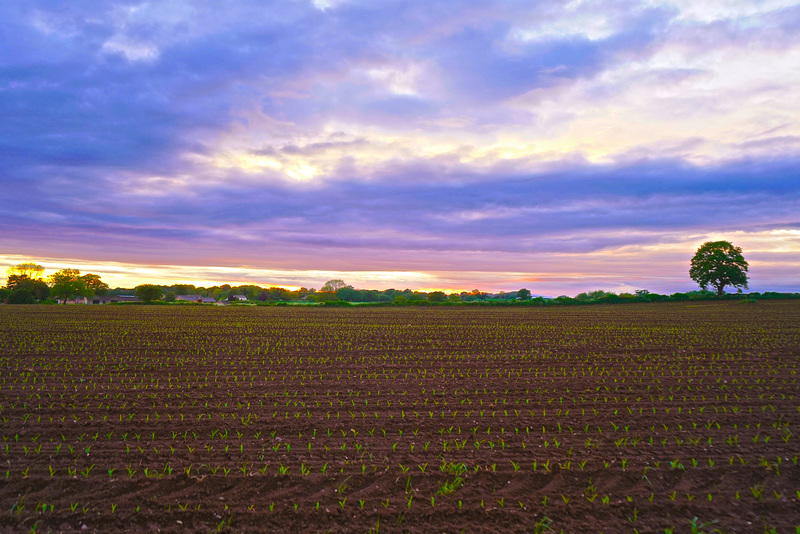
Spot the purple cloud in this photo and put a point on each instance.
(375, 136)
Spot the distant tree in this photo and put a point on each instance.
(369, 295)
(437, 296)
(303, 291)
(38, 287)
(332, 286)
(475, 294)
(31, 270)
(4, 293)
(147, 293)
(347, 293)
(170, 296)
(15, 281)
(67, 283)
(524, 294)
(216, 292)
(593, 295)
(22, 295)
(719, 264)
(324, 296)
(182, 289)
(279, 293)
(94, 284)
(249, 291)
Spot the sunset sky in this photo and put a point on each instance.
(558, 146)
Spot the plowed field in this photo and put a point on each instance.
(625, 418)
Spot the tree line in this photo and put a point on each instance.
(25, 284)
(716, 264)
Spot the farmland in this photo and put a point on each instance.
(628, 418)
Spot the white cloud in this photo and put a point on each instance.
(133, 51)
(399, 79)
(324, 5)
(576, 18)
(706, 11)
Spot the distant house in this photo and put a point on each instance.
(114, 298)
(240, 297)
(76, 300)
(189, 298)
(196, 298)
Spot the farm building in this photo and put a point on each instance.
(196, 298)
(113, 299)
(76, 300)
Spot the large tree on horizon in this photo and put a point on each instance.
(719, 264)
(148, 293)
(36, 286)
(332, 286)
(32, 270)
(94, 284)
(67, 283)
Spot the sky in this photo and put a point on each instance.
(557, 146)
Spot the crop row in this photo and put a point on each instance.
(643, 417)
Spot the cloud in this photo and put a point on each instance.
(347, 135)
(577, 209)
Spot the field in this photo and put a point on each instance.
(628, 418)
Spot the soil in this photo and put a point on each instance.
(619, 418)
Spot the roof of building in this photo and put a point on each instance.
(196, 298)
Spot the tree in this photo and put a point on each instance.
(719, 264)
(593, 295)
(147, 293)
(67, 283)
(22, 295)
(325, 296)
(15, 281)
(94, 285)
(31, 270)
(437, 296)
(475, 294)
(332, 286)
(37, 287)
(524, 294)
(183, 289)
(349, 294)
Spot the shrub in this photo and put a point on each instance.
(336, 303)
